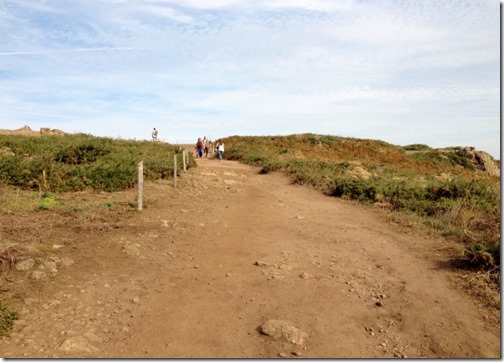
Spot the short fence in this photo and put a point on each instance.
(185, 162)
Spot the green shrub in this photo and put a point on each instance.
(78, 162)
(457, 159)
(431, 156)
(358, 189)
(48, 202)
(481, 255)
(83, 153)
(7, 318)
(417, 147)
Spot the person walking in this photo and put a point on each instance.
(206, 143)
(200, 147)
(220, 149)
(154, 134)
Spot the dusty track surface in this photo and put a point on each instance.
(206, 264)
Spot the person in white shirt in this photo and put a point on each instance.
(206, 142)
(220, 149)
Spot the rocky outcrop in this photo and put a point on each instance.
(482, 160)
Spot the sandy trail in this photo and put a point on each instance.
(198, 271)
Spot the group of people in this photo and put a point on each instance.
(203, 146)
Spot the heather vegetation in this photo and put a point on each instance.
(444, 190)
(77, 162)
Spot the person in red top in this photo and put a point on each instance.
(200, 146)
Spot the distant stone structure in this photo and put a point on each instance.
(48, 131)
(27, 131)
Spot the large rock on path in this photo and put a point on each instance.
(280, 329)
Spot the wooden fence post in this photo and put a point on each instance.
(140, 186)
(184, 159)
(175, 170)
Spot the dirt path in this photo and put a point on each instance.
(206, 264)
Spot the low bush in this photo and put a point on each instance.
(357, 189)
(7, 318)
(80, 161)
(487, 255)
(417, 147)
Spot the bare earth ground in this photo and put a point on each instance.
(198, 271)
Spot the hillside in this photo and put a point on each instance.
(417, 158)
(399, 256)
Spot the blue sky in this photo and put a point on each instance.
(402, 71)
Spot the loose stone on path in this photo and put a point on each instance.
(281, 329)
(80, 344)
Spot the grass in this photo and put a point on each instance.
(441, 190)
(48, 202)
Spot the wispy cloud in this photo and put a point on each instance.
(356, 67)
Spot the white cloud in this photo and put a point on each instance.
(33, 6)
(314, 5)
(358, 67)
(158, 9)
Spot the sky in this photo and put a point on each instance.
(400, 71)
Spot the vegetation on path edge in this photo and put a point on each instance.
(443, 190)
(76, 162)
